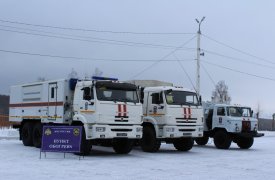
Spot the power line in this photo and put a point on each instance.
(84, 58)
(238, 50)
(167, 55)
(95, 41)
(238, 59)
(189, 78)
(87, 38)
(208, 74)
(241, 72)
(95, 30)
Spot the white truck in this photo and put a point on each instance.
(227, 123)
(170, 114)
(108, 110)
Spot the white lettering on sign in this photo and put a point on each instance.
(63, 141)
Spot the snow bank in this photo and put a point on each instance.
(9, 133)
(18, 161)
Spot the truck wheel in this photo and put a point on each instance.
(86, 145)
(122, 146)
(183, 144)
(202, 140)
(245, 142)
(222, 139)
(27, 132)
(149, 141)
(37, 135)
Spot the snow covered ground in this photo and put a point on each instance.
(20, 162)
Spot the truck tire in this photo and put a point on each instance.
(86, 145)
(222, 139)
(122, 146)
(183, 144)
(202, 140)
(27, 132)
(37, 135)
(245, 142)
(149, 141)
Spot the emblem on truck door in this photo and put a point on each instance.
(155, 109)
(220, 120)
(86, 105)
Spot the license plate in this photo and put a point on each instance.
(186, 134)
(121, 134)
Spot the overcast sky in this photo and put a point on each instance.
(238, 43)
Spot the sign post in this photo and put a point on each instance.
(62, 139)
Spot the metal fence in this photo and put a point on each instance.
(266, 124)
(4, 121)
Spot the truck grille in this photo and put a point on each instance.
(246, 126)
(121, 130)
(187, 121)
(121, 118)
(186, 130)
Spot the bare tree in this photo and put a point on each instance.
(220, 94)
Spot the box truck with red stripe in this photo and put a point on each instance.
(226, 123)
(109, 111)
(170, 114)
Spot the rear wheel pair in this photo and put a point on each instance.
(183, 144)
(31, 134)
(202, 140)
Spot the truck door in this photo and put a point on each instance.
(52, 101)
(87, 104)
(156, 107)
(220, 117)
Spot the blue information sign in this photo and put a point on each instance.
(61, 139)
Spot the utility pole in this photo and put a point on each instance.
(198, 54)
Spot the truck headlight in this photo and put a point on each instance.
(237, 129)
(200, 128)
(100, 129)
(139, 129)
(256, 127)
(170, 129)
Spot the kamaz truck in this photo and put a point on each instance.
(170, 114)
(108, 110)
(226, 123)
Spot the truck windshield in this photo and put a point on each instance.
(181, 98)
(123, 92)
(239, 111)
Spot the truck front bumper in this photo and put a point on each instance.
(109, 132)
(251, 134)
(182, 131)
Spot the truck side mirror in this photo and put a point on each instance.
(251, 113)
(200, 100)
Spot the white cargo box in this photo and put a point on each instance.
(46, 101)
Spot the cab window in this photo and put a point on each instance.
(221, 111)
(157, 98)
(88, 93)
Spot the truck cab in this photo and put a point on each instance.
(172, 115)
(110, 112)
(227, 123)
